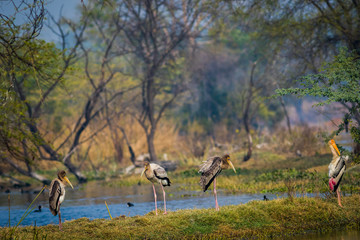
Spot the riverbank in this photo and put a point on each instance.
(267, 173)
(262, 219)
(302, 175)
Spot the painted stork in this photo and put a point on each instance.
(57, 194)
(156, 174)
(209, 171)
(336, 169)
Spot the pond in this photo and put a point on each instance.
(88, 201)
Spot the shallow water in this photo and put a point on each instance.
(88, 201)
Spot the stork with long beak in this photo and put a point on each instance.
(209, 171)
(156, 174)
(57, 194)
(336, 169)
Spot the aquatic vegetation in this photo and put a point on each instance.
(11, 233)
(108, 210)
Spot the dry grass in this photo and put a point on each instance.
(304, 138)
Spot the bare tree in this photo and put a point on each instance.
(19, 52)
(20, 55)
(154, 32)
(101, 72)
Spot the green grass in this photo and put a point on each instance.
(257, 219)
(266, 175)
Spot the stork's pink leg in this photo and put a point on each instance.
(155, 199)
(338, 197)
(164, 198)
(216, 202)
(60, 225)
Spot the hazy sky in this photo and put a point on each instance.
(68, 8)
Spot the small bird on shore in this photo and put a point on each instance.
(156, 174)
(337, 169)
(265, 198)
(39, 209)
(129, 204)
(209, 171)
(57, 194)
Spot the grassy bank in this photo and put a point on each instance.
(265, 175)
(277, 218)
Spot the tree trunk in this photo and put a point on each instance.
(40, 178)
(286, 115)
(17, 181)
(131, 151)
(250, 143)
(28, 173)
(74, 170)
(151, 147)
(117, 144)
(246, 113)
(132, 155)
(119, 150)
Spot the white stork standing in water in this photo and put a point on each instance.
(156, 174)
(209, 171)
(336, 169)
(57, 194)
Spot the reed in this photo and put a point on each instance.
(9, 209)
(25, 214)
(108, 211)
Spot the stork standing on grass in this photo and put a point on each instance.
(336, 169)
(57, 194)
(156, 174)
(209, 171)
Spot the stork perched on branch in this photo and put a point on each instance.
(57, 194)
(336, 169)
(156, 174)
(209, 171)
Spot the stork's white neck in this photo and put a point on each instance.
(334, 152)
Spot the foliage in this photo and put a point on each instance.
(338, 82)
(220, 83)
(28, 67)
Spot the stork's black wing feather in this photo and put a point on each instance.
(339, 166)
(338, 179)
(160, 173)
(54, 197)
(208, 176)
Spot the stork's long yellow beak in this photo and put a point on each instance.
(334, 145)
(231, 165)
(68, 181)
(143, 172)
